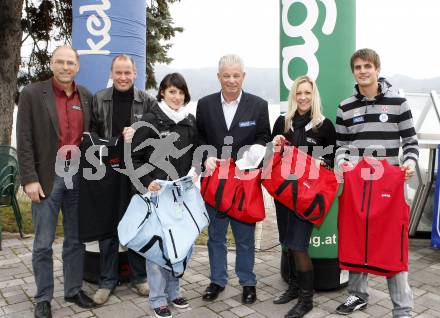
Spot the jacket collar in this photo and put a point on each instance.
(109, 93)
(163, 117)
(383, 87)
(59, 90)
(49, 102)
(241, 109)
(222, 98)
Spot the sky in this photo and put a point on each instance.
(405, 33)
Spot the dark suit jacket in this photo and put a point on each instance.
(38, 132)
(249, 126)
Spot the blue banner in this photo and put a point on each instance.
(102, 29)
(435, 234)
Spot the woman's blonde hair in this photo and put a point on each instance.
(316, 113)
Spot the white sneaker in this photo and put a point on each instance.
(101, 296)
(352, 304)
(142, 289)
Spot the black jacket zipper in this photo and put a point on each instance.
(363, 195)
(366, 223)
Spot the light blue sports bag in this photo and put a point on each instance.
(163, 227)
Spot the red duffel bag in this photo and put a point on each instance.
(235, 193)
(216, 190)
(293, 178)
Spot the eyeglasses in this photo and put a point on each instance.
(62, 63)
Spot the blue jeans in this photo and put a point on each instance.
(45, 219)
(109, 264)
(398, 287)
(164, 287)
(244, 235)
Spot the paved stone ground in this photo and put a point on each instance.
(17, 285)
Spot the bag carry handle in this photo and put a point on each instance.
(148, 202)
(158, 239)
(318, 200)
(219, 193)
(224, 214)
(285, 184)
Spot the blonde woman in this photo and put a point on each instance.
(303, 125)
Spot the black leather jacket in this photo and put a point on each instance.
(102, 110)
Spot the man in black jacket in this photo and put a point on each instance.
(114, 109)
(52, 116)
(235, 119)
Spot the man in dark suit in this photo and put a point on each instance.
(236, 119)
(52, 116)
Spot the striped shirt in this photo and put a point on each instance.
(375, 128)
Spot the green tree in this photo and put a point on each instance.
(10, 44)
(43, 22)
(159, 29)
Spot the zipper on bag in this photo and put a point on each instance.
(172, 241)
(192, 217)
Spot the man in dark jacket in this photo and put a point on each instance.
(114, 109)
(52, 116)
(235, 119)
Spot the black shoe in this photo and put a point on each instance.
(305, 299)
(42, 310)
(180, 302)
(81, 299)
(293, 290)
(249, 295)
(212, 291)
(290, 294)
(352, 304)
(162, 311)
(299, 310)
